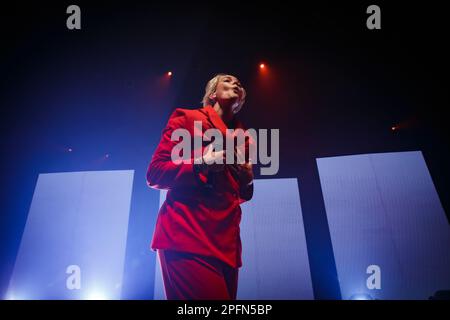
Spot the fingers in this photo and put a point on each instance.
(240, 155)
(219, 157)
(211, 156)
(248, 165)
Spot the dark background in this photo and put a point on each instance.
(332, 87)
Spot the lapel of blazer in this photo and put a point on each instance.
(217, 122)
(215, 119)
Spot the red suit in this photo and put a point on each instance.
(201, 214)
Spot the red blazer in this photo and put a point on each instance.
(201, 214)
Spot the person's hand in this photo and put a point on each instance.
(213, 161)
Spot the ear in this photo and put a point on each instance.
(213, 96)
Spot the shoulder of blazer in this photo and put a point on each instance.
(190, 114)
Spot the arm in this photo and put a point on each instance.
(244, 175)
(162, 173)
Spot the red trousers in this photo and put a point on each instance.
(188, 276)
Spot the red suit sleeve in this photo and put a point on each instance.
(162, 172)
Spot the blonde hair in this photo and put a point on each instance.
(211, 87)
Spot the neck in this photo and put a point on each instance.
(224, 112)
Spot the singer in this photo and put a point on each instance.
(197, 235)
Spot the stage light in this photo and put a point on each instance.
(361, 296)
(393, 128)
(262, 66)
(12, 296)
(169, 73)
(107, 155)
(69, 149)
(96, 295)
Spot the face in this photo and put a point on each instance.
(229, 90)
